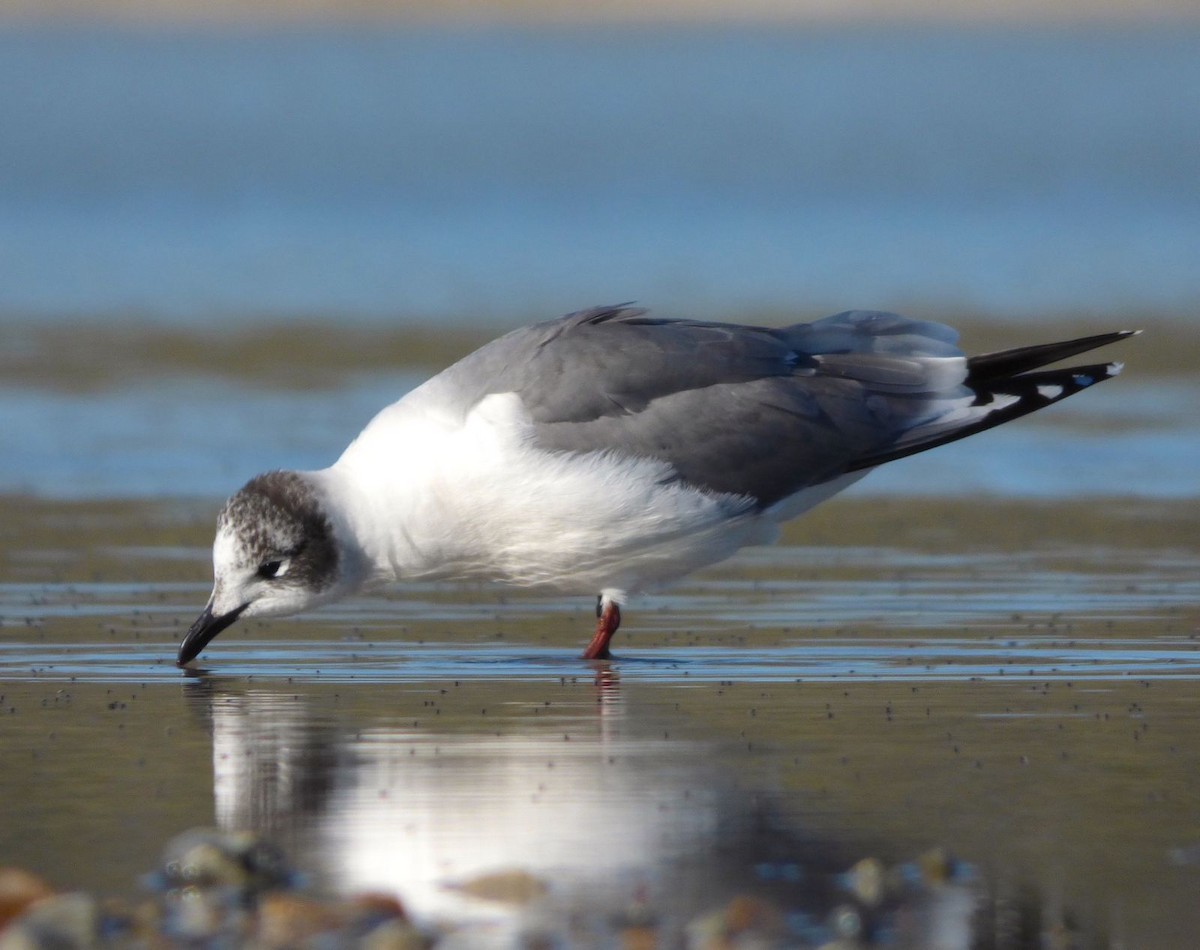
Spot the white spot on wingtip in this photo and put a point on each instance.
(1114, 369)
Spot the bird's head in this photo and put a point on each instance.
(275, 553)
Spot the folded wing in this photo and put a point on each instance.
(756, 411)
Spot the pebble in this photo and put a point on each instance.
(744, 922)
(19, 889)
(289, 920)
(207, 857)
(504, 887)
(59, 922)
(231, 889)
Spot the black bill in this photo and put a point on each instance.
(203, 630)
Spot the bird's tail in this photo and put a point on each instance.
(1007, 364)
(1005, 389)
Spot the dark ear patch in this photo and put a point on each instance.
(280, 513)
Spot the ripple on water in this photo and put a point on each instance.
(1029, 707)
(774, 614)
(803, 660)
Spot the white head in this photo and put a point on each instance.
(275, 553)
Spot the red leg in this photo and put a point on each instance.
(608, 619)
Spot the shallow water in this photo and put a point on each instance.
(1012, 680)
(132, 410)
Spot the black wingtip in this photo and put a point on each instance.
(1034, 391)
(1004, 364)
(1003, 401)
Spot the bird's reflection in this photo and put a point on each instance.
(380, 804)
(567, 794)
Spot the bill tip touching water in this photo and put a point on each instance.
(609, 452)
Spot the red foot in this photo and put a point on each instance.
(609, 619)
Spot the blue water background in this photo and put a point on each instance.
(379, 172)
(217, 176)
(200, 437)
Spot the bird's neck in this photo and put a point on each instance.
(388, 520)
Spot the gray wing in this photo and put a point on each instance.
(747, 410)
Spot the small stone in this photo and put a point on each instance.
(195, 914)
(847, 922)
(206, 857)
(843, 943)
(744, 922)
(639, 938)
(63, 922)
(285, 920)
(18, 889)
(146, 921)
(744, 914)
(394, 935)
(506, 887)
(373, 906)
(937, 867)
(868, 881)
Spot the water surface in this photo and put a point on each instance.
(883, 683)
(501, 173)
(134, 410)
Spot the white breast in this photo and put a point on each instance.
(431, 496)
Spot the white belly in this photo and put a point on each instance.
(429, 496)
(479, 501)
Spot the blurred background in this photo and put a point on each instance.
(200, 201)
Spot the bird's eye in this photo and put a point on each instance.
(270, 569)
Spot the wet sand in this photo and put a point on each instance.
(1014, 682)
(1007, 678)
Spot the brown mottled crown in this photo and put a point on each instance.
(279, 515)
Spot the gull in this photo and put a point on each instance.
(609, 451)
